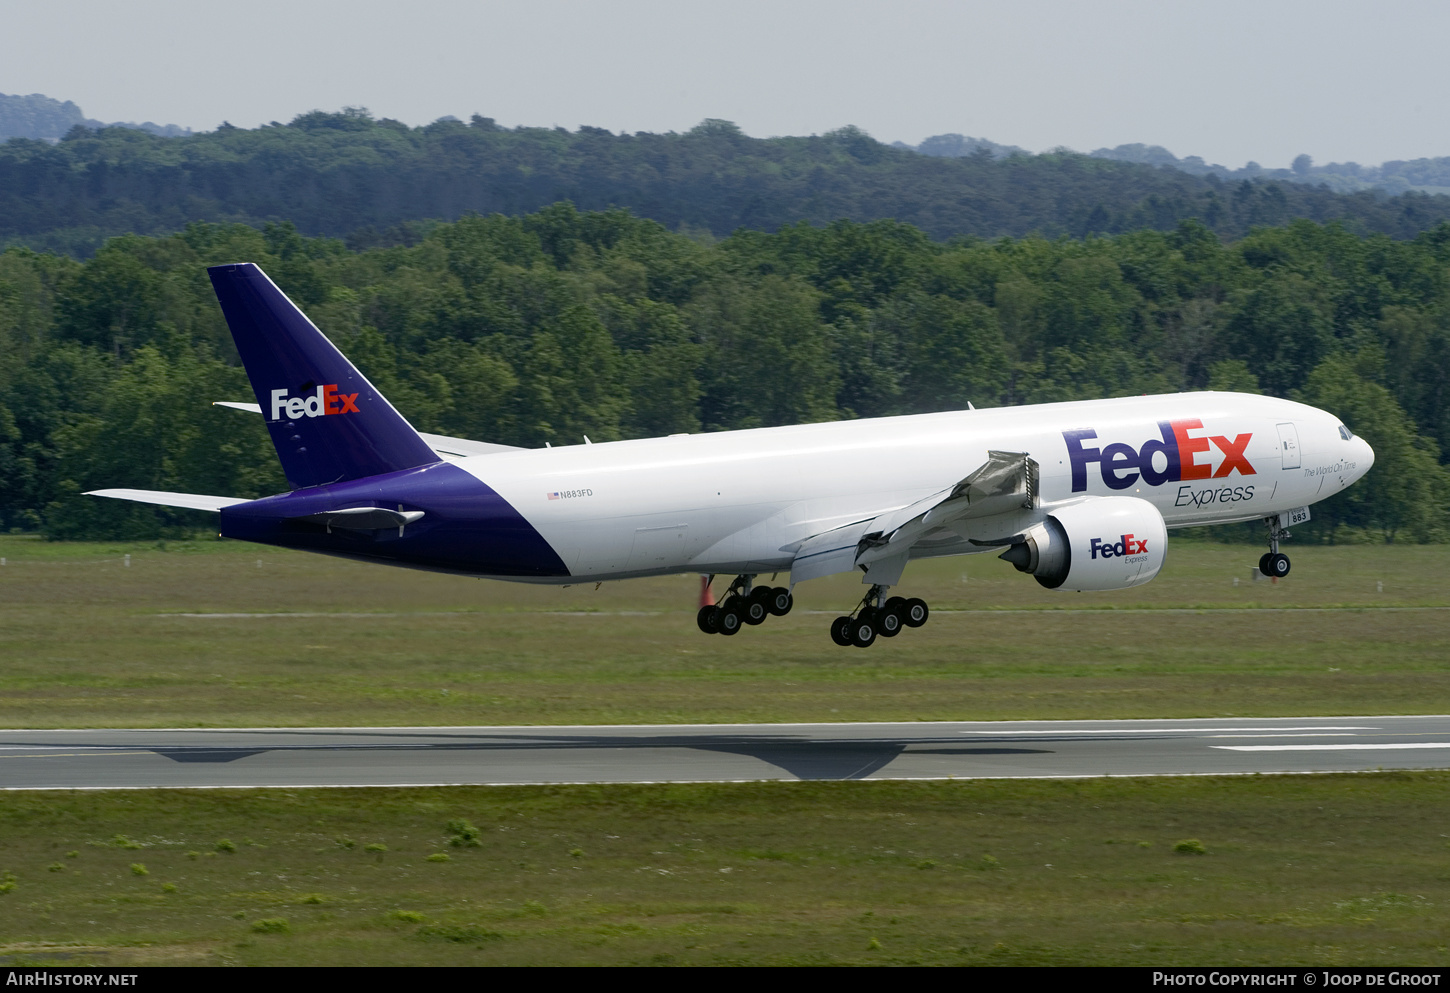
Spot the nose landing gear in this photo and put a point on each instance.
(875, 616)
(1275, 563)
(744, 603)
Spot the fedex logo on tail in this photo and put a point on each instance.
(326, 401)
(1125, 545)
(1123, 465)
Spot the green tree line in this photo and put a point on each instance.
(561, 323)
(372, 181)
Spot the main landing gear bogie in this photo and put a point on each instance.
(742, 605)
(875, 618)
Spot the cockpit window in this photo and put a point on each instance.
(1345, 433)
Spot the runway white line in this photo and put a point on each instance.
(106, 753)
(27, 748)
(1177, 730)
(1296, 734)
(1332, 748)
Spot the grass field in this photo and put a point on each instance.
(1314, 869)
(1327, 870)
(308, 640)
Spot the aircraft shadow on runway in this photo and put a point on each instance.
(802, 757)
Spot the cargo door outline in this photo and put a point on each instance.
(1289, 445)
(659, 546)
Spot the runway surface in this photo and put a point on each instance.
(111, 759)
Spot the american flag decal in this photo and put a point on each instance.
(553, 496)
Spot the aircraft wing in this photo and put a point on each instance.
(440, 443)
(1006, 482)
(186, 501)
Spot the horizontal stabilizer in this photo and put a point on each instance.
(440, 443)
(444, 445)
(185, 501)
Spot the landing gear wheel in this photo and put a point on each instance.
(841, 631)
(888, 622)
(916, 613)
(1278, 564)
(780, 601)
(730, 619)
(1264, 563)
(752, 609)
(897, 604)
(863, 631)
(709, 619)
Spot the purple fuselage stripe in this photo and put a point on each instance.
(466, 526)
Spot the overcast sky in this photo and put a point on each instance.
(1230, 81)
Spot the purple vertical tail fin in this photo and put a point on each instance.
(327, 421)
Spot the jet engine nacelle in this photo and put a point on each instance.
(1103, 543)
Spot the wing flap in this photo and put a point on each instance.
(1007, 481)
(827, 553)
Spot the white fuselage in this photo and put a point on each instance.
(743, 501)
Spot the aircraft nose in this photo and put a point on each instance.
(1366, 455)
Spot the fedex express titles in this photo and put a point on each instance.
(1122, 465)
(324, 402)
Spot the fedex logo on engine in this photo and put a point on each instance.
(324, 402)
(1125, 545)
(1122, 465)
